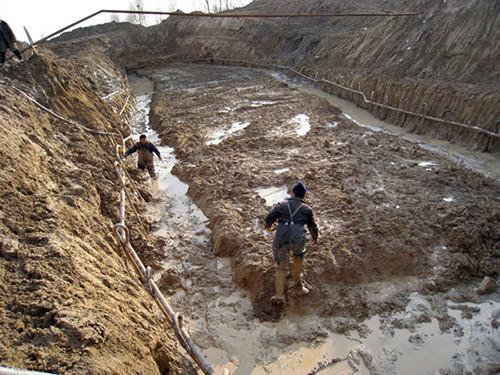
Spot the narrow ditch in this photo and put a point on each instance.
(220, 317)
(479, 162)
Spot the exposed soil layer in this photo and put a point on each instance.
(442, 62)
(406, 234)
(69, 301)
(387, 208)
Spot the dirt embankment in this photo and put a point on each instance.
(441, 63)
(69, 302)
(387, 209)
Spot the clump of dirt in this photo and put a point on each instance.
(70, 303)
(387, 208)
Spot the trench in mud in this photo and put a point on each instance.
(220, 317)
(479, 162)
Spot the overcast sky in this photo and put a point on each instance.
(42, 17)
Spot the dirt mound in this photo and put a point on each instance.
(70, 303)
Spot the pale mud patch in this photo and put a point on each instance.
(302, 124)
(282, 170)
(221, 135)
(273, 194)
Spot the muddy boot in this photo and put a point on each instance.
(298, 286)
(155, 188)
(280, 280)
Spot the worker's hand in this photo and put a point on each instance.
(271, 228)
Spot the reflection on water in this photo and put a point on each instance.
(480, 162)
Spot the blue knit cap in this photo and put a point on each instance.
(299, 189)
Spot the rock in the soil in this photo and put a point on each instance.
(19, 326)
(8, 248)
(372, 142)
(488, 285)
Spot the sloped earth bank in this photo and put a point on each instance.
(69, 302)
(405, 233)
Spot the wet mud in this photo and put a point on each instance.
(393, 277)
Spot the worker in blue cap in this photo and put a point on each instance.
(292, 215)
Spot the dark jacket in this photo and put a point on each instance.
(303, 216)
(140, 147)
(7, 37)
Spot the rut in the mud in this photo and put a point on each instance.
(261, 136)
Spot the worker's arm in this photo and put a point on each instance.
(156, 151)
(130, 151)
(313, 227)
(272, 216)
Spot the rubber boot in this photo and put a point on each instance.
(155, 188)
(280, 280)
(298, 285)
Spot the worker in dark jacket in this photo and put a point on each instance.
(291, 215)
(7, 41)
(146, 157)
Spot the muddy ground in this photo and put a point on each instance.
(70, 303)
(398, 224)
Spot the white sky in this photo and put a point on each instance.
(42, 17)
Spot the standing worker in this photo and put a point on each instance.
(7, 41)
(292, 215)
(146, 157)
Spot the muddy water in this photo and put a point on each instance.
(220, 316)
(480, 162)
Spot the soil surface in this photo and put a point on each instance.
(405, 232)
(69, 300)
(409, 225)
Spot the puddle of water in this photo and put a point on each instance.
(261, 103)
(170, 189)
(359, 121)
(273, 194)
(282, 170)
(227, 110)
(427, 164)
(332, 125)
(302, 124)
(480, 343)
(483, 163)
(426, 349)
(306, 359)
(221, 135)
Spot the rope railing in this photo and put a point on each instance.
(260, 65)
(145, 273)
(122, 232)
